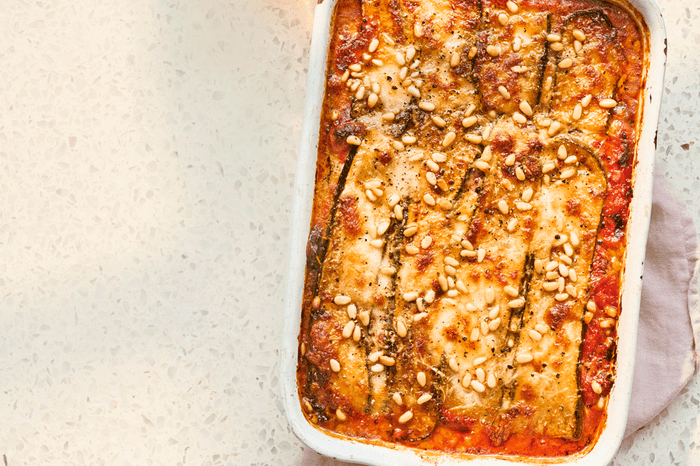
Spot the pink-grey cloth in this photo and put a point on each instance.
(669, 316)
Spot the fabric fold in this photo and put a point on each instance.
(669, 318)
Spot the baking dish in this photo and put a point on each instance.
(611, 436)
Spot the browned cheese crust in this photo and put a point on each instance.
(467, 239)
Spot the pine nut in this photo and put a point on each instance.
(578, 111)
(342, 300)
(410, 53)
(449, 139)
(568, 173)
(372, 100)
(493, 50)
(481, 165)
(461, 286)
(523, 206)
(473, 138)
(405, 417)
(518, 118)
(469, 121)
(512, 224)
(516, 303)
(568, 250)
(401, 329)
(491, 381)
(354, 140)
(561, 153)
(572, 275)
(550, 286)
(474, 335)
(524, 358)
(539, 266)
(556, 46)
(553, 128)
(348, 329)
(438, 157)
(413, 91)
(376, 368)
(517, 44)
(466, 380)
(566, 63)
(364, 318)
(454, 60)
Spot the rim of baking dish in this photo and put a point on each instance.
(380, 453)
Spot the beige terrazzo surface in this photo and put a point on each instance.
(147, 157)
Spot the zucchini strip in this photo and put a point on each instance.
(430, 184)
(546, 375)
(351, 291)
(586, 80)
(474, 323)
(509, 60)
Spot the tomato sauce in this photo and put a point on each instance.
(617, 153)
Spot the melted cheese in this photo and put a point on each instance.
(473, 209)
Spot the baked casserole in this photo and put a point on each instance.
(466, 251)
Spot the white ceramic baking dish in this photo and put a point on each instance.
(363, 453)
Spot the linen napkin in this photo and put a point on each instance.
(669, 315)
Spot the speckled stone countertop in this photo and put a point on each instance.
(147, 157)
